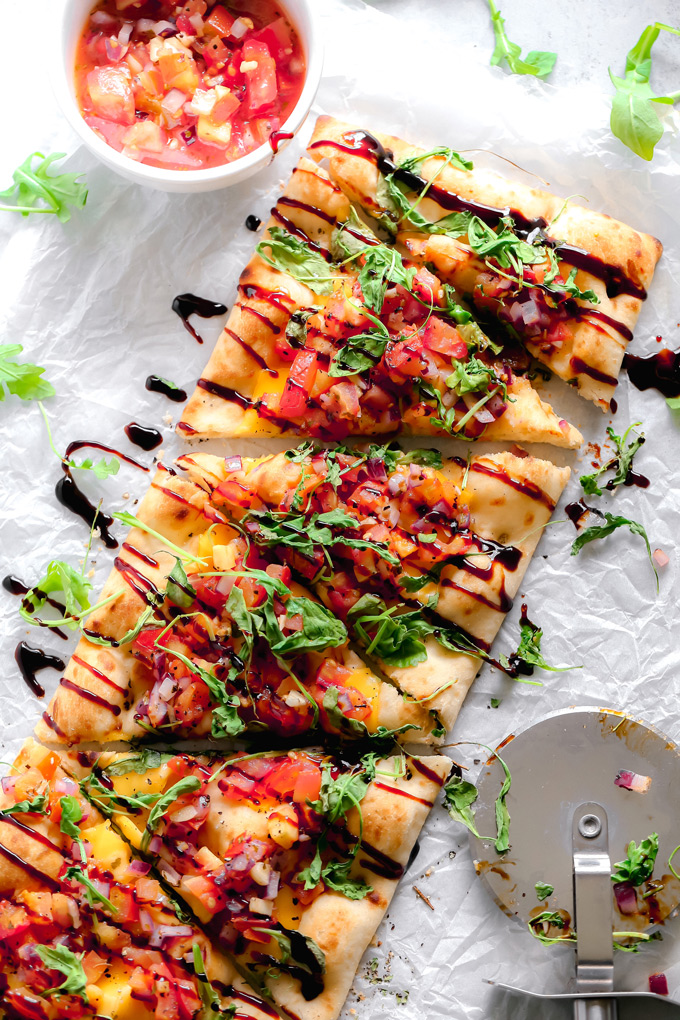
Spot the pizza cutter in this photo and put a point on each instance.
(570, 821)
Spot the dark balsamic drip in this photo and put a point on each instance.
(87, 444)
(581, 367)
(53, 725)
(632, 478)
(293, 203)
(361, 143)
(613, 406)
(401, 793)
(138, 581)
(263, 318)
(143, 436)
(424, 770)
(149, 560)
(19, 862)
(233, 396)
(380, 863)
(526, 487)
(30, 661)
(95, 634)
(89, 696)
(155, 384)
(97, 673)
(257, 358)
(187, 428)
(518, 667)
(504, 604)
(278, 298)
(28, 831)
(276, 137)
(14, 585)
(660, 371)
(292, 228)
(253, 222)
(70, 496)
(172, 494)
(189, 304)
(507, 556)
(575, 511)
(593, 313)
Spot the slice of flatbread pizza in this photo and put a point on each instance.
(203, 633)
(420, 558)
(566, 281)
(335, 333)
(87, 930)
(289, 859)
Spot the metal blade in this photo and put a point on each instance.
(556, 765)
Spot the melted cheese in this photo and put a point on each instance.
(287, 913)
(368, 685)
(107, 847)
(111, 996)
(253, 424)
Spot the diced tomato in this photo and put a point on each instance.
(368, 497)
(299, 383)
(281, 573)
(238, 494)
(47, 766)
(439, 336)
(276, 38)
(225, 108)
(558, 334)
(216, 54)
(220, 20)
(404, 357)
(261, 78)
(254, 594)
(192, 703)
(110, 90)
(207, 594)
(427, 286)
(125, 903)
(296, 778)
(180, 765)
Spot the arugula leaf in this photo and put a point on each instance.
(338, 796)
(22, 381)
(101, 469)
(673, 403)
(538, 63)
(226, 721)
(211, 1001)
(554, 919)
(67, 963)
(360, 353)
(38, 806)
(130, 635)
(320, 629)
(453, 158)
(426, 458)
(105, 799)
(141, 762)
(335, 875)
(178, 589)
(307, 533)
(134, 522)
(528, 654)
(459, 796)
(596, 531)
(310, 951)
(543, 890)
(639, 863)
(63, 579)
(473, 376)
(71, 814)
(33, 184)
(502, 842)
(92, 894)
(621, 463)
(290, 255)
(634, 120)
(189, 784)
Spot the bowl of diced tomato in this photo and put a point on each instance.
(192, 95)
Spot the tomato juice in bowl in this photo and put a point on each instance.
(187, 96)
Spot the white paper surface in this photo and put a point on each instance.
(91, 300)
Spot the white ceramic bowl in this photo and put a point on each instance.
(71, 17)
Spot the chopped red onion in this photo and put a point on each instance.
(197, 23)
(167, 687)
(626, 898)
(146, 922)
(165, 29)
(174, 101)
(662, 560)
(258, 768)
(564, 424)
(442, 507)
(239, 28)
(73, 911)
(272, 886)
(145, 25)
(484, 416)
(496, 406)
(632, 781)
(376, 469)
(234, 463)
(66, 786)
(169, 931)
(393, 516)
(139, 867)
(185, 814)
(168, 872)
(125, 33)
(8, 783)
(658, 984)
(101, 18)
(114, 50)
(394, 485)
(155, 844)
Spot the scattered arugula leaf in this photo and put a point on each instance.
(134, 522)
(101, 468)
(130, 635)
(335, 875)
(528, 654)
(621, 462)
(543, 890)
(495, 702)
(140, 762)
(178, 589)
(289, 254)
(211, 1001)
(538, 63)
(33, 184)
(22, 380)
(60, 958)
(226, 721)
(37, 805)
(189, 784)
(359, 353)
(634, 120)
(597, 531)
(459, 796)
(550, 918)
(92, 893)
(63, 579)
(639, 863)
(71, 814)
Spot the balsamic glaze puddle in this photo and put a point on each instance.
(189, 304)
(660, 371)
(144, 436)
(31, 660)
(276, 137)
(155, 384)
(253, 222)
(15, 586)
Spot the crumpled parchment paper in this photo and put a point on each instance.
(91, 300)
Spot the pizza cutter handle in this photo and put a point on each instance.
(595, 1009)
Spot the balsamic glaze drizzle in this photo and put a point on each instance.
(190, 304)
(30, 661)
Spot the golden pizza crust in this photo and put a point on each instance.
(635, 254)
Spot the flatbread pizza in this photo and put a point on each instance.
(335, 333)
(200, 633)
(567, 281)
(420, 557)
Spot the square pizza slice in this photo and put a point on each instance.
(336, 333)
(87, 930)
(201, 633)
(421, 558)
(288, 859)
(567, 281)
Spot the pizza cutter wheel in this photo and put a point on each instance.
(568, 823)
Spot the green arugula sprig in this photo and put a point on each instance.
(70, 965)
(22, 380)
(71, 814)
(188, 784)
(544, 890)
(639, 862)
(460, 795)
(92, 893)
(612, 523)
(288, 254)
(37, 805)
(540, 925)
(634, 119)
(101, 468)
(528, 655)
(621, 463)
(538, 63)
(212, 1009)
(33, 184)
